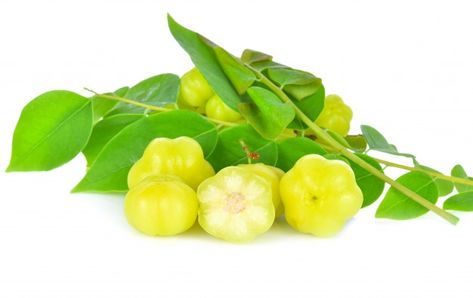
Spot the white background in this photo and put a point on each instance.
(404, 67)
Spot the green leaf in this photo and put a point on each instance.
(306, 90)
(288, 76)
(461, 202)
(265, 65)
(459, 171)
(444, 186)
(398, 206)
(290, 150)
(334, 156)
(159, 90)
(375, 139)
(203, 56)
(250, 56)
(240, 76)
(102, 106)
(357, 142)
(371, 186)
(300, 92)
(53, 128)
(229, 150)
(104, 131)
(266, 113)
(109, 171)
(378, 142)
(311, 105)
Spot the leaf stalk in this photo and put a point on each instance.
(151, 107)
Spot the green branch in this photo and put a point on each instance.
(408, 168)
(151, 107)
(320, 133)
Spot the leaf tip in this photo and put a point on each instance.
(78, 188)
(171, 20)
(378, 214)
(13, 167)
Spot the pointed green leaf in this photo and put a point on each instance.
(378, 142)
(300, 92)
(265, 65)
(110, 169)
(240, 76)
(398, 206)
(104, 131)
(291, 149)
(203, 57)
(266, 113)
(375, 139)
(459, 171)
(357, 142)
(371, 186)
(229, 150)
(288, 76)
(311, 105)
(160, 90)
(250, 56)
(461, 202)
(52, 129)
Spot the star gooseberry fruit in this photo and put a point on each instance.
(217, 109)
(182, 157)
(273, 175)
(235, 205)
(335, 115)
(320, 195)
(161, 205)
(194, 91)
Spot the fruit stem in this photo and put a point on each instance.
(320, 133)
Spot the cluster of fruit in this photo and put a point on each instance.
(197, 95)
(172, 184)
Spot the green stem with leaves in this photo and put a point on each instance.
(391, 164)
(151, 107)
(430, 173)
(320, 133)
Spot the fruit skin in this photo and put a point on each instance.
(336, 115)
(217, 109)
(235, 205)
(194, 91)
(182, 157)
(161, 206)
(320, 195)
(273, 176)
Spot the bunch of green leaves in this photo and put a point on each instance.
(112, 130)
